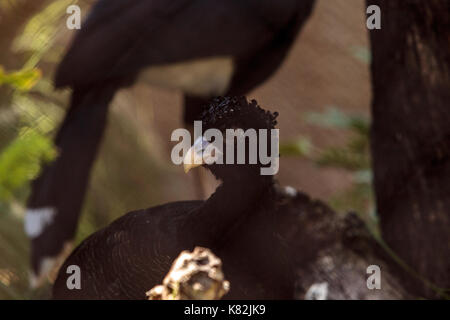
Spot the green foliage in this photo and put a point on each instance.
(363, 54)
(22, 80)
(299, 147)
(335, 118)
(29, 112)
(353, 157)
(40, 33)
(21, 161)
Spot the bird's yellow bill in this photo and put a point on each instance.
(200, 154)
(192, 159)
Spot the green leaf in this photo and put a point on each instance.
(335, 118)
(342, 157)
(362, 54)
(40, 32)
(21, 161)
(22, 80)
(299, 147)
(363, 177)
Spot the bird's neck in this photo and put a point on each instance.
(231, 203)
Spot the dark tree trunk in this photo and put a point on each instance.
(411, 135)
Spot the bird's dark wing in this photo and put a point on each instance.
(119, 37)
(128, 257)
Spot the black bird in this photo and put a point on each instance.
(204, 47)
(238, 223)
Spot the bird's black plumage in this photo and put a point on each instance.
(238, 223)
(121, 39)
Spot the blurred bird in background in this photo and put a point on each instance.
(205, 48)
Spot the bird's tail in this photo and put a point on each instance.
(57, 194)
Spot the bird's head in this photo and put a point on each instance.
(237, 140)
